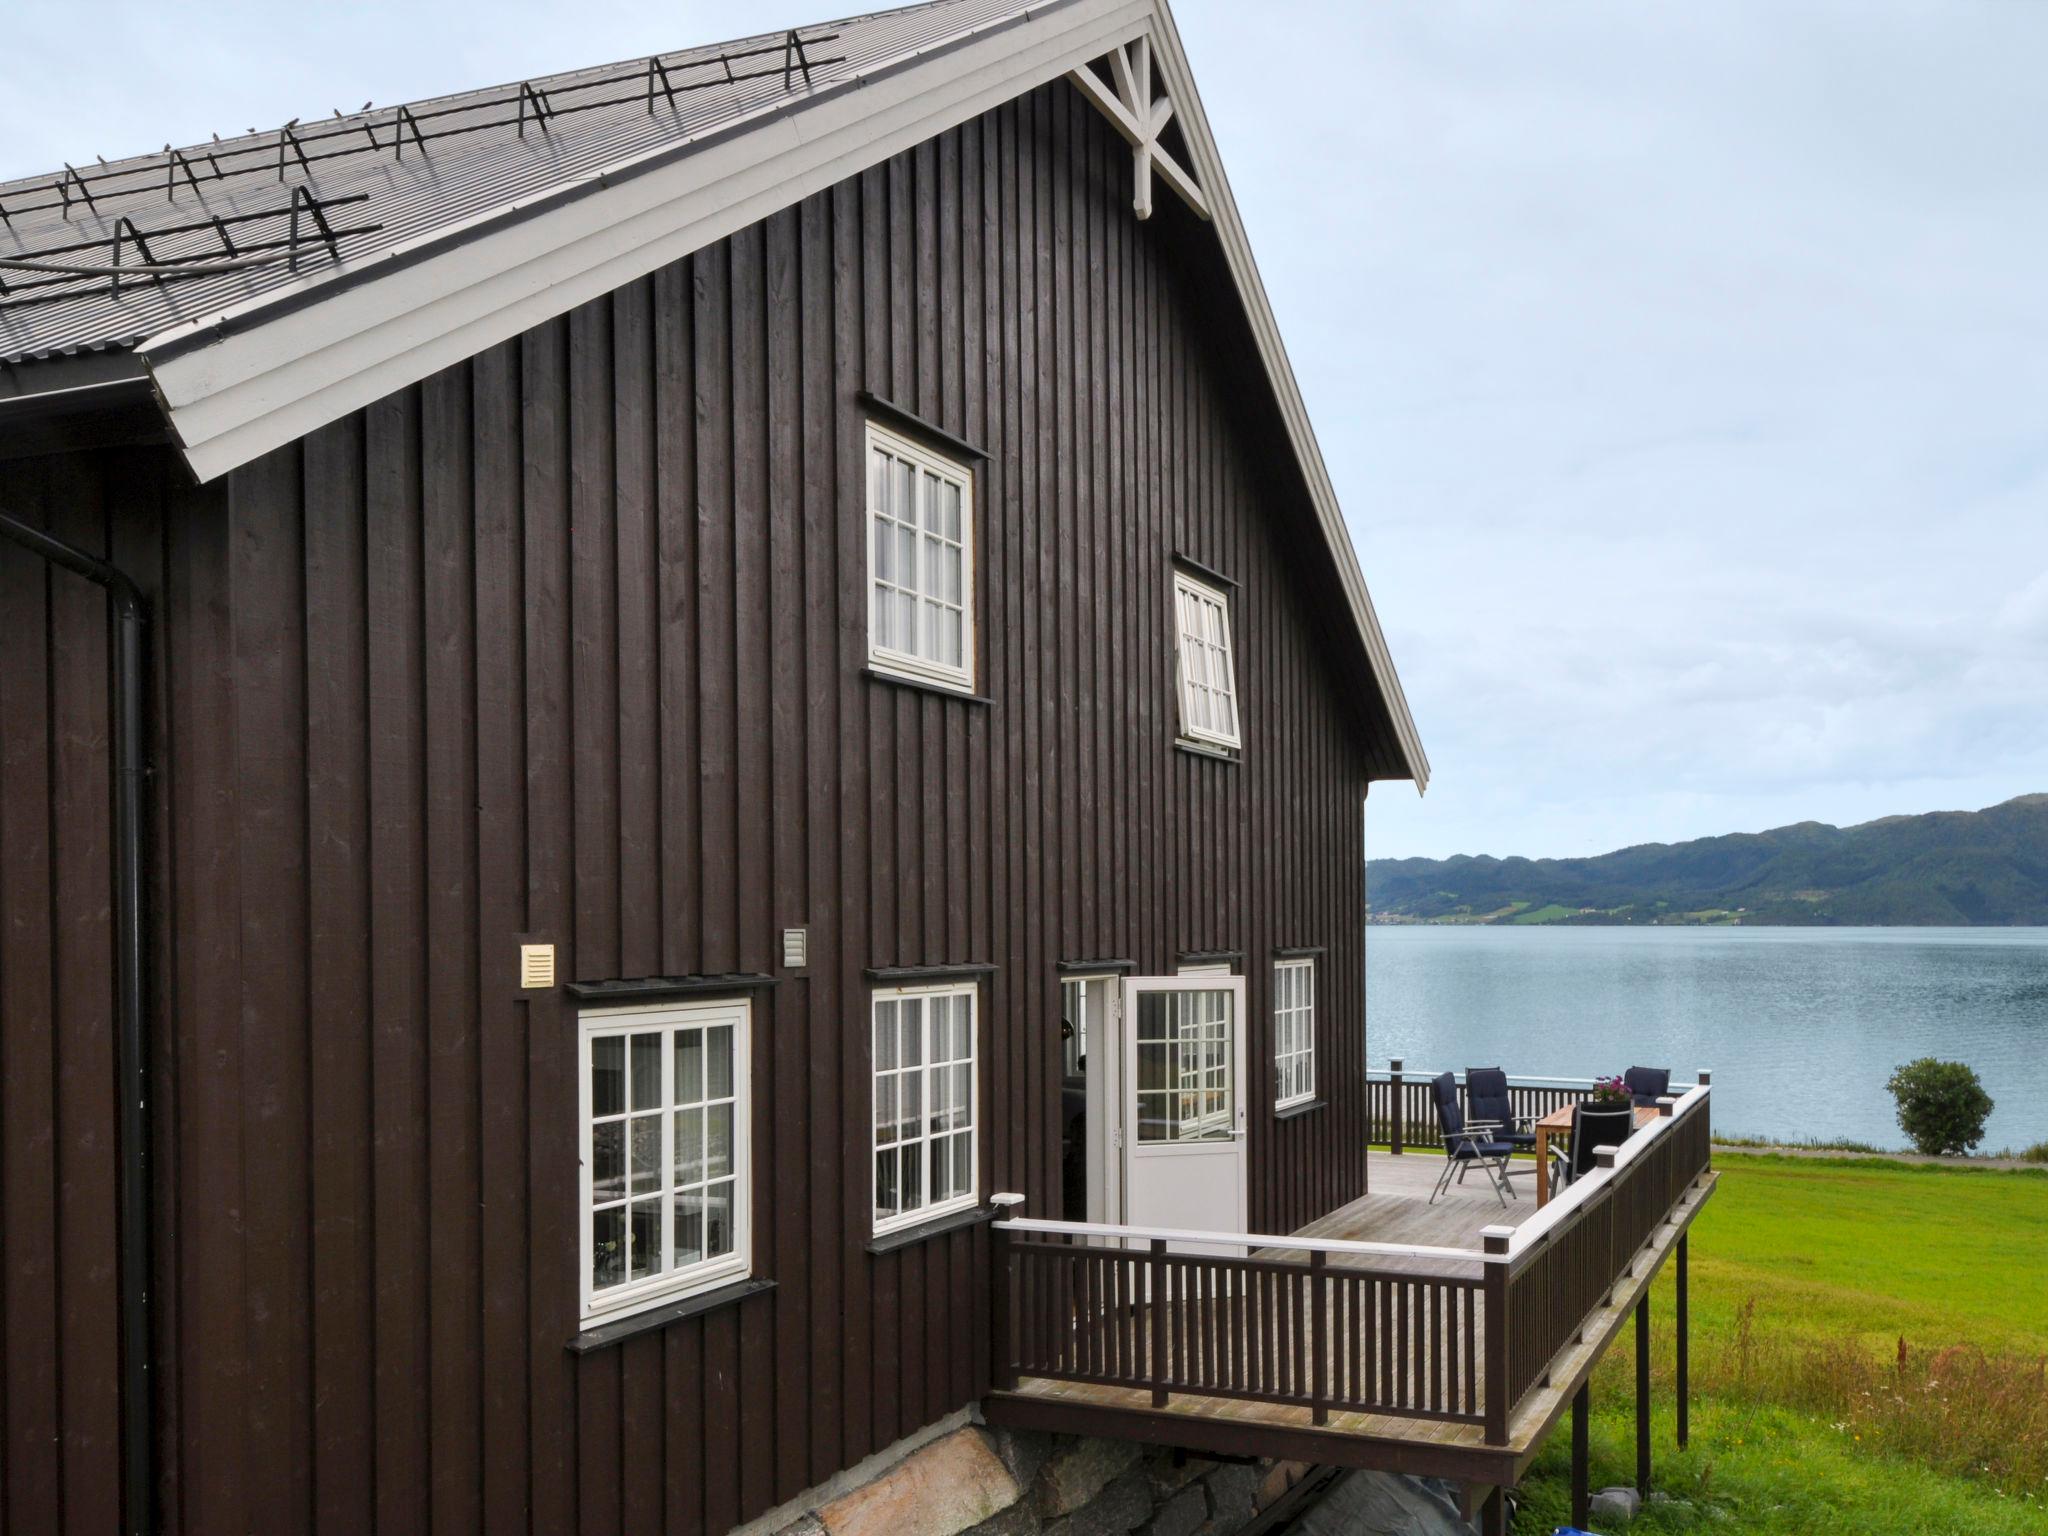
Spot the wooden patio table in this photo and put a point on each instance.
(1559, 1123)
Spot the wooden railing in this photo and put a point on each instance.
(1458, 1335)
(1565, 1262)
(1329, 1329)
(1401, 1102)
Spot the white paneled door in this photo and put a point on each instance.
(1183, 1102)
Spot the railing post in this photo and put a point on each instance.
(1319, 1337)
(1005, 1318)
(1496, 1292)
(1157, 1270)
(1398, 1104)
(1001, 1259)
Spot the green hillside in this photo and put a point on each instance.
(1949, 868)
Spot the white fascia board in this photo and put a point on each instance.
(275, 380)
(1169, 58)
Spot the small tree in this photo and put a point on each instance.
(1942, 1105)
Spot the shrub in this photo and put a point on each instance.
(1942, 1105)
(2037, 1153)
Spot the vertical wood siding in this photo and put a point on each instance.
(567, 643)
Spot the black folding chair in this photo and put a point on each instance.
(1467, 1147)
(1488, 1105)
(1646, 1085)
(1593, 1127)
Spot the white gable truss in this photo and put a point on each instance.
(265, 373)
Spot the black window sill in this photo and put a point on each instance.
(924, 685)
(1095, 967)
(654, 1319)
(913, 975)
(1296, 1111)
(1207, 573)
(1303, 952)
(910, 1237)
(660, 989)
(897, 416)
(1203, 749)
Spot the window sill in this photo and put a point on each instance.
(1296, 1111)
(915, 975)
(1207, 573)
(662, 989)
(925, 685)
(603, 1335)
(910, 1237)
(898, 416)
(1207, 749)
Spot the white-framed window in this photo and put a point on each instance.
(1208, 681)
(1185, 1048)
(920, 561)
(925, 1141)
(1294, 1032)
(665, 1198)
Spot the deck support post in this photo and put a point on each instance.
(1643, 1394)
(1397, 1110)
(1493, 1514)
(1319, 1337)
(1582, 1403)
(1684, 1350)
(1157, 1275)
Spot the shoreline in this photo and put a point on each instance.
(1909, 1159)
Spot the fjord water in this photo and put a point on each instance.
(1800, 1026)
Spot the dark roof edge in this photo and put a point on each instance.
(91, 400)
(73, 375)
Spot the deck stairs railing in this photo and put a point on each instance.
(1330, 1326)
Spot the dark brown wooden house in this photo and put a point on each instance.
(715, 662)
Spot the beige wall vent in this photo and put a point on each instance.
(796, 948)
(536, 966)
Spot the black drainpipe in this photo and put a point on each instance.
(130, 622)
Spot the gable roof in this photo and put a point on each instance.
(429, 232)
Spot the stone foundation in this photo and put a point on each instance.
(977, 1481)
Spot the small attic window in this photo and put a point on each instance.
(1208, 679)
(920, 562)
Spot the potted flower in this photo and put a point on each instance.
(1609, 1091)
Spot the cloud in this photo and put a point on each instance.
(1679, 368)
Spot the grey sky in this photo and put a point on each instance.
(1683, 368)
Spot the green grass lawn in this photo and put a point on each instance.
(1547, 914)
(1806, 1275)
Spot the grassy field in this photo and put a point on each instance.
(1870, 1355)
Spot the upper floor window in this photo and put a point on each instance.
(664, 1148)
(1294, 1032)
(920, 562)
(924, 1103)
(1208, 683)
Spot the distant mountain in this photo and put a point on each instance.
(1959, 868)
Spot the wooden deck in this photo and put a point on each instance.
(1426, 1437)
(1396, 1208)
